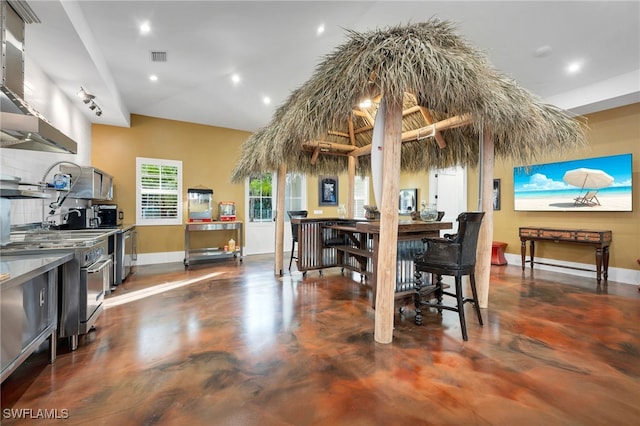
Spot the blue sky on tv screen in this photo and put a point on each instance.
(548, 177)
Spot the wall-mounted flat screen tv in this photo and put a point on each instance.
(590, 184)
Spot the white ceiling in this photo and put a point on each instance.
(273, 46)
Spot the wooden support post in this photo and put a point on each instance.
(279, 261)
(483, 260)
(352, 189)
(386, 271)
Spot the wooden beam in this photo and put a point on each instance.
(386, 270)
(279, 259)
(335, 133)
(427, 117)
(483, 256)
(325, 146)
(412, 110)
(363, 129)
(449, 123)
(352, 135)
(316, 153)
(411, 135)
(351, 183)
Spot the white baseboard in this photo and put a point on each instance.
(619, 275)
(163, 257)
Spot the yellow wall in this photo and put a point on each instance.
(615, 131)
(419, 181)
(208, 155)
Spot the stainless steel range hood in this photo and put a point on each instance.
(21, 126)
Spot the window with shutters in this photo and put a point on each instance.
(360, 196)
(158, 192)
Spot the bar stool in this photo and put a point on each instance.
(294, 231)
(454, 256)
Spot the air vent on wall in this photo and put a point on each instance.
(158, 56)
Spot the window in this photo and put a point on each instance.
(260, 198)
(295, 193)
(158, 192)
(360, 196)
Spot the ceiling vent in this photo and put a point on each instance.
(158, 56)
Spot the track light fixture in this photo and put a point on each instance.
(88, 99)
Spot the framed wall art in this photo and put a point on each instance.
(590, 184)
(328, 191)
(496, 194)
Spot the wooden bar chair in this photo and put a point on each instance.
(294, 231)
(454, 255)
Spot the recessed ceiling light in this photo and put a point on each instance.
(320, 29)
(235, 78)
(145, 28)
(153, 77)
(574, 67)
(266, 100)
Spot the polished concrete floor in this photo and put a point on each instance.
(232, 344)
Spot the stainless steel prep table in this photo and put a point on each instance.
(212, 253)
(28, 296)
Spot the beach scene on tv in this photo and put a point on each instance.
(591, 184)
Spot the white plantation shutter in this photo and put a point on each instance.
(158, 192)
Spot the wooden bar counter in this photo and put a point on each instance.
(354, 245)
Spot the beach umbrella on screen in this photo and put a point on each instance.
(587, 178)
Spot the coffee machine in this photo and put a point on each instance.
(108, 215)
(82, 218)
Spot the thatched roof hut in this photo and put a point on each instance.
(445, 106)
(436, 74)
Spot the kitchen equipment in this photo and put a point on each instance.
(227, 210)
(61, 181)
(82, 218)
(200, 204)
(129, 242)
(108, 215)
(83, 279)
(93, 183)
(5, 220)
(28, 308)
(21, 126)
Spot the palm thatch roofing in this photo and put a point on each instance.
(437, 75)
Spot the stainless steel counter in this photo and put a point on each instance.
(28, 306)
(22, 268)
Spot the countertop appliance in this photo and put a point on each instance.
(93, 183)
(83, 279)
(82, 219)
(108, 215)
(227, 210)
(200, 204)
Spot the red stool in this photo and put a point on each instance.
(497, 253)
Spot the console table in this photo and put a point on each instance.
(600, 240)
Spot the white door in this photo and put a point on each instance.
(260, 205)
(448, 190)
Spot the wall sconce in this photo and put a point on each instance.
(88, 98)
